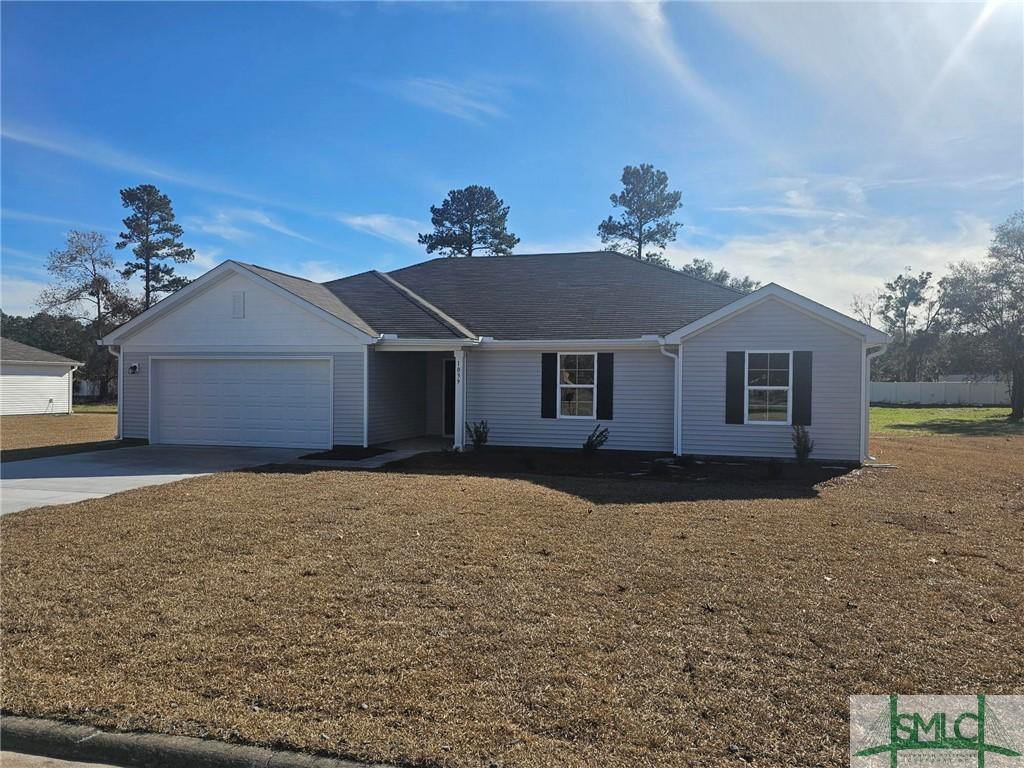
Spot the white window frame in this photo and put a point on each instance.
(561, 386)
(747, 387)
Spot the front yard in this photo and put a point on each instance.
(23, 437)
(453, 620)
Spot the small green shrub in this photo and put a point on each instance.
(595, 440)
(478, 433)
(803, 445)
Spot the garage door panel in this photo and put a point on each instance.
(273, 402)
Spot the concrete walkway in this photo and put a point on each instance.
(74, 477)
(397, 450)
(19, 760)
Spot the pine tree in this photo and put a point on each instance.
(470, 220)
(645, 224)
(156, 239)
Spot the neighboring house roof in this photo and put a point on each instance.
(16, 352)
(589, 295)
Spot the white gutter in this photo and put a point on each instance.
(865, 392)
(677, 395)
(561, 344)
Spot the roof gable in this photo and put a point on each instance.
(776, 292)
(311, 296)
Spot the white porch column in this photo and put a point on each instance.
(460, 399)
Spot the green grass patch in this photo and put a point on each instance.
(944, 420)
(95, 408)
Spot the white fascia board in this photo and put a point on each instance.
(648, 341)
(162, 307)
(800, 303)
(396, 344)
(72, 366)
(207, 281)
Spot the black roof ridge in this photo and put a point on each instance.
(277, 272)
(670, 270)
(422, 304)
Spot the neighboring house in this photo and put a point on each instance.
(33, 381)
(543, 347)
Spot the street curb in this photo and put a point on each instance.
(49, 738)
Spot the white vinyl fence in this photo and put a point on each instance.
(940, 393)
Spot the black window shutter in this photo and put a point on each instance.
(605, 384)
(549, 385)
(735, 364)
(802, 388)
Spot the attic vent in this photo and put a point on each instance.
(238, 304)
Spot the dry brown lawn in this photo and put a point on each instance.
(444, 620)
(18, 433)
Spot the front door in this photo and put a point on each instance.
(449, 398)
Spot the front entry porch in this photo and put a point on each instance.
(413, 394)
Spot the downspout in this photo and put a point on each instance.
(71, 390)
(120, 384)
(866, 398)
(677, 443)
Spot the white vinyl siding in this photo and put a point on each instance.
(397, 401)
(26, 388)
(772, 325)
(272, 327)
(504, 387)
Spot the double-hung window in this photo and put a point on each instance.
(769, 392)
(577, 385)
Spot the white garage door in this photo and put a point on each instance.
(265, 402)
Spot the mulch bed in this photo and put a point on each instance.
(463, 620)
(347, 453)
(497, 461)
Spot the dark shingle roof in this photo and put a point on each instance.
(316, 294)
(591, 295)
(384, 306)
(16, 352)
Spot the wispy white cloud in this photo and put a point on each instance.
(648, 35)
(236, 225)
(40, 218)
(386, 226)
(834, 260)
(473, 102)
(220, 224)
(265, 220)
(317, 271)
(18, 295)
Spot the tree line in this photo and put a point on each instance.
(89, 295)
(970, 321)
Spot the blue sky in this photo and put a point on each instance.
(821, 146)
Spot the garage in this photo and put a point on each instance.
(278, 402)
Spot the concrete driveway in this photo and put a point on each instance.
(74, 477)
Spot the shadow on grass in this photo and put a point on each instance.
(44, 451)
(616, 477)
(995, 427)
